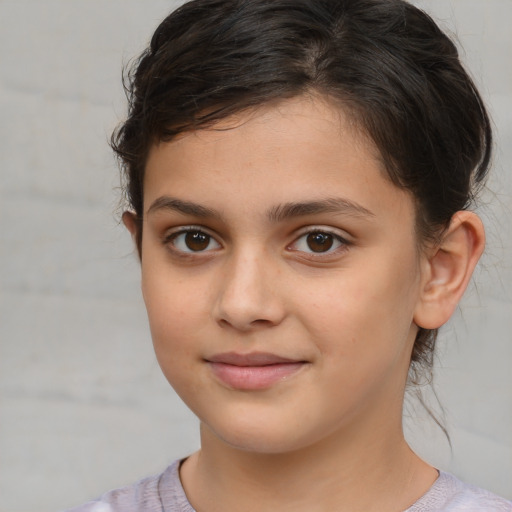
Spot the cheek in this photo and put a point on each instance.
(363, 313)
(174, 318)
(172, 299)
(173, 343)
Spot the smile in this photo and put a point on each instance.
(252, 372)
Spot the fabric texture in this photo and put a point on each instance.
(164, 493)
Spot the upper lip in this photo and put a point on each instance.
(251, 359)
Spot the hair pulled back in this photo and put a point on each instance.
(384, 61)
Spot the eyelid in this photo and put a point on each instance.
(341, 236)
(173, 233)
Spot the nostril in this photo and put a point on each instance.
(261, 321)
(254, 324)
(246, 300)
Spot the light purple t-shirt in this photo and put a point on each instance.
(164, 493)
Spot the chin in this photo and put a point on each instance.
(264, 437)
(262, 444)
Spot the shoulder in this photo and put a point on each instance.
(449, 494)
(153, 494)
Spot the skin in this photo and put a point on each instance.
(348, 314)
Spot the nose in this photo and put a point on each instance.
(249, 296)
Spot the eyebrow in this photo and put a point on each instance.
(180, 206)
(276, 214)
(335, 205)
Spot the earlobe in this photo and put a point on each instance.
(448, 269)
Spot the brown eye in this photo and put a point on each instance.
(319, 242)
(192, 241)
(197, 240)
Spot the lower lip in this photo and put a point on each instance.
(252, 378)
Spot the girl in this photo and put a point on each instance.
(299, 174)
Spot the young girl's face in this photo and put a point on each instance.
(281, 274)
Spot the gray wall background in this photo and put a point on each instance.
(83, 406)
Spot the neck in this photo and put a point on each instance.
(357, 471)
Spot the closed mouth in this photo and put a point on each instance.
(254, 371)
(251, 359)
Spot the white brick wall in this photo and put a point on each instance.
(83, 406)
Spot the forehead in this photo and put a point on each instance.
(303, 117)
(299, 149)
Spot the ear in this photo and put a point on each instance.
(447, 269)
(130, 223)
(133, 225)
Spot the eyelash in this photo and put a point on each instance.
(170, 241)
(171, 238)
(342, 243)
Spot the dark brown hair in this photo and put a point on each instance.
(384, 61)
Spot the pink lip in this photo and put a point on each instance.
(258, 370)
